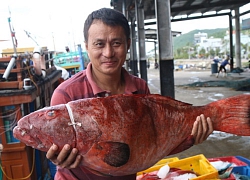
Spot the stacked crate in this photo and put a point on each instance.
(203, 166)
(241, 165)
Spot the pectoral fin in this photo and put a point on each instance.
(114, 154)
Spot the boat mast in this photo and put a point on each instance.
(13, 59)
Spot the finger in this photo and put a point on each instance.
(196, 132)
(195, 127)
(76, 162)
(204, 129)
(63, 154)
(52, 152)
(207, 126)
(199, 134)
(210, 128)
(71, 158)
(210, 125)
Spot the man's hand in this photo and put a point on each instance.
(202, 129)
(67, 158)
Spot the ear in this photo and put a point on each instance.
(86, 48)
(128, 44)
(86, 45)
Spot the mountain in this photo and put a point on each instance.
(188, 38)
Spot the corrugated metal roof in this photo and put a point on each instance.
(183, 7)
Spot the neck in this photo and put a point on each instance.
(112, 83)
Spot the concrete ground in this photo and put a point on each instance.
(218, 144)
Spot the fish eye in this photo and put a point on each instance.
(51, 113)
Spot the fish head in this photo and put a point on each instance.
(42, 128)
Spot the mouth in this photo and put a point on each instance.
(23, 135)
(109, 63)
(35, 141)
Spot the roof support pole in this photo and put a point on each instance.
(237, 38)
(133, 52)
(164, 35)
(231, 41)
(124, 8)
(139, 11)
(125, 12)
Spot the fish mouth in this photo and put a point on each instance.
(25, 136)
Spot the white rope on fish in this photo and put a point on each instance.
(71, 116)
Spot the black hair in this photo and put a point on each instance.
(108, 16)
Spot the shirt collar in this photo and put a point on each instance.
(130, 86)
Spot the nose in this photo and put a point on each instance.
(108, 51)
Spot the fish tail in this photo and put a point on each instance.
(232, 115)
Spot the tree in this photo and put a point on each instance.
(212, 52)
(202, 52)
(217, 51)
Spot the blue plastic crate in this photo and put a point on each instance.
(245, 160)
(241, 170)
(242, 165)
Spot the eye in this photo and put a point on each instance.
(99, 44)
(116, 44)
(51, 113)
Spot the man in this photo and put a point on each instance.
(107, 40)
(223, 67)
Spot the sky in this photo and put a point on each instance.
(57, 24)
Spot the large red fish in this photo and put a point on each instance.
(124, 134)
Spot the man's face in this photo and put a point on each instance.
(107, 47)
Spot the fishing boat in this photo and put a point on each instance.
(73, 62)
(22, 91)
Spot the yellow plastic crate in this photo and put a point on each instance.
(167, 160)
(198, 164)
(158, 165)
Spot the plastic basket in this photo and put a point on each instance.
(198, 164)
(241, 165)
(231, 159)
(242, 171)
(158, 165)
(245, 160)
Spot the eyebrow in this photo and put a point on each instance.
(99, 39)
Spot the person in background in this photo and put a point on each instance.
(67, 49)
(216, 59)
(223, 66)
(107, 41)
(156, 65)
(148, 63)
